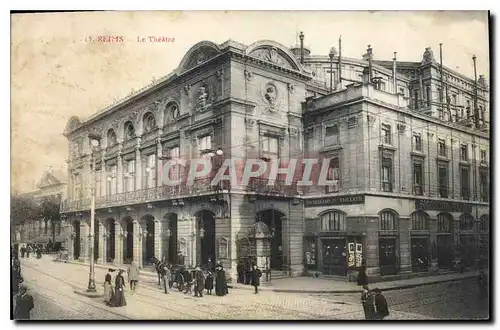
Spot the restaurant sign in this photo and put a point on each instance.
(443, 206)
(337, 200)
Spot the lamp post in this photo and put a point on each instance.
(95, 141)
(332, 54)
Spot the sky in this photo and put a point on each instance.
(57, 74)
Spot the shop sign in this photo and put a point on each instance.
(337, 200)
(443, 206)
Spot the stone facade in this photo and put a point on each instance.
(255, 101)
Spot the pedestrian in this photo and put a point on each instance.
(381, 308)
(362, 277)
(210, 264)
(209, 282)
(16, 265)
(256, 275)
(199, 282)
(108, 287)
(368, 303)
(133, 276)
(248, 273)
(482, 281)
(166, 276)
(220, 280)
(188, 279)
(24, 304)
(119, 297)
(28, 251)
(240, 268)
(23, 251)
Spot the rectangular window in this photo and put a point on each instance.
(428, 95)
(443, 181)
(440, 93)
(415, 99)
(151, 171)
(483, 156)
(386, 134)
(333, 174)
(467, 105)
(331, 135)
(112, 180)
(483, 185)
(464, 182)
(402, 91)
(387, 174)
(77, 187)
(418, 179)
(417, 142)
(174, 170)
(129, 176)
(454, 99)
(441, 114)
(204, 143)
(463, 153)
(270, 146)
(442, 148)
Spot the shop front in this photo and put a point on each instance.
(334, 255)
(311, 253)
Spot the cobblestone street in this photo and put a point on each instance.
(53, 284)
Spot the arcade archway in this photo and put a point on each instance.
(273, 219)
(171, 250)
(76, 239)
(128, 247)
(149, 238)
(205, 233)
(110, 239)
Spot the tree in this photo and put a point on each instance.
(23, 209)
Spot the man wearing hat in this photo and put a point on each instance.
(24, 304)
(166, 276)
(199, 282)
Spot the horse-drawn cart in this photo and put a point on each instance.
(177, 277)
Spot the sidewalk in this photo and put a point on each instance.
(320, 285)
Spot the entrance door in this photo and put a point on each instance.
(420, 254)
(334, 257)
(387, 256)
(467, 250)
(445, 251)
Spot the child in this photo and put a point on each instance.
(209, 282)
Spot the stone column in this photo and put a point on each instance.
(84, 242)
(138, 170)
(158, 239)
(119, 238)
(102, 244)
(159, 165)
(405, 244)
(137, 254)
(433, 244)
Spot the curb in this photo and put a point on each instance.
(399, 287)
(89, 294)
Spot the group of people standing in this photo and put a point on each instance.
(249, 274)
(197, 280)
(22, 300)
(28, 249)
(373, 301)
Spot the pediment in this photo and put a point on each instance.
(48, 180)
(273, 52)
(198, 54)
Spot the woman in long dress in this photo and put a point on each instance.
(108, 288)
(220, 281)
(119, 298)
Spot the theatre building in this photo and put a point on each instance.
(404, 185)
(409, 191)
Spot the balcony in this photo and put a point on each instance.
(276, 187)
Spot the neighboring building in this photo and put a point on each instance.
(52, 184)
(262, 101)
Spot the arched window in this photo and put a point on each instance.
(333, 221)
(419, 220)
(129, 131)
(388, 220)
(466, 222)
(444, 223)
(484, 222)
(149, 122)
(111, 137)
(172, 112)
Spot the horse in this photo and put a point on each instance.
(158, 264)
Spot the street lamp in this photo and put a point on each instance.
(95, 141)
(332, 54)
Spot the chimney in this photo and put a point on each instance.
(370, 63)
(394, 82)
(301, 47)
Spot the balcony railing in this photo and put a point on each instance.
(200, 186)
